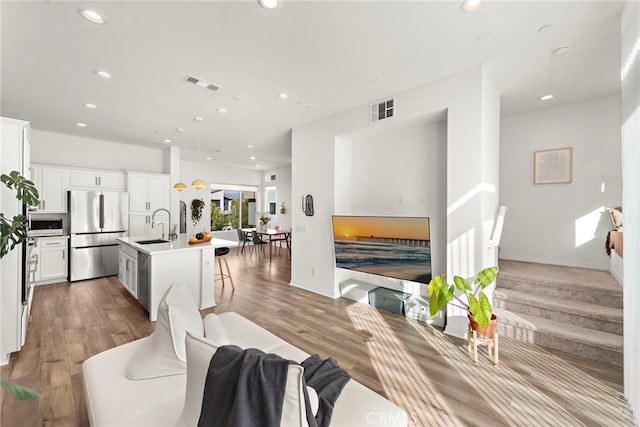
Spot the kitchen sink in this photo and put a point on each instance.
(150, 242)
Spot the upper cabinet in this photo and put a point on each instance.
(96, 179)
(51, 183)
(148, 192)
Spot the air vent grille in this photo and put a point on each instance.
(201, 83)
(382, 110)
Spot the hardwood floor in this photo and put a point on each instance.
(418, 367)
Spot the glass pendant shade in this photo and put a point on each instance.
(180, 186)
(198, 183)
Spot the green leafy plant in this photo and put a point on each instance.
(20, 392)
(196, 210)
(478, 306)
(14, 231)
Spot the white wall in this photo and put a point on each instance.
(67, 150)
(630, 123)
(563, 224)
(396, 169)
(469, 130)
(210, 172)
(283, 193)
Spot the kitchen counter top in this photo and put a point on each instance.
(179, 245)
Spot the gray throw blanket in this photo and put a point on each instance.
(244, 388)
(327, 379)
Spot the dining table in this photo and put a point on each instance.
(271, 235)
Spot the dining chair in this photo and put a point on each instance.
(242, 238)
(279, 238)
(258, 244)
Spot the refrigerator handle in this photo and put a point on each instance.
(101, 210)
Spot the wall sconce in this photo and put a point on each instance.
(307, 205)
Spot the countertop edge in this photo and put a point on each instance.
(181, 244)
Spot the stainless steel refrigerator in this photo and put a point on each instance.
(97, 219)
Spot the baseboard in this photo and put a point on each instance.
(315, 290)
(553, 261)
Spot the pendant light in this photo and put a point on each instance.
(180, 186)
(198, 183)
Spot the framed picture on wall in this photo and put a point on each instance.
(552, 166)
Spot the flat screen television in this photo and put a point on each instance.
(391, 246)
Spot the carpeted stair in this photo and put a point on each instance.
(574, 310)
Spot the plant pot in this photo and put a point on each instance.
(487, 331)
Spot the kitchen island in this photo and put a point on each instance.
(147, 270)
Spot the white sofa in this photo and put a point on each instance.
(112, 399)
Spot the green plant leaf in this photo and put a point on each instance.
(26, 190)
(435, 284)
(439, 300)
(20, 392)
(480, 309)
(486, 276)
(462, 284)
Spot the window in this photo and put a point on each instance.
(232, 206)
(270, 198)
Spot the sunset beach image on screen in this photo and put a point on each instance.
(398, 247)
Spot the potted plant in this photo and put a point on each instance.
(478, 307)
(13, 231)
(264, 220)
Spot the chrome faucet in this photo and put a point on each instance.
(153, 221)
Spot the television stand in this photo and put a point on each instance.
(413, 306)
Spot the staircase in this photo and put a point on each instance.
(574, 310)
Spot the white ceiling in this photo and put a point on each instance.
(328, 56)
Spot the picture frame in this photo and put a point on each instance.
(553, 166)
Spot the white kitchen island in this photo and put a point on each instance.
(148, 270)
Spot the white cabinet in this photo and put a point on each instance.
(52, 259)
(14, 155)
(140, 225)
(147, 192)
(52, 185)
(128, 269)
(94, 179)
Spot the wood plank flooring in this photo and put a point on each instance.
(418, 367)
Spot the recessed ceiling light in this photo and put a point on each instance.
(103, 74)
(546, 97)
(470, 5)
(208, 158)
(561, 50)
(91, 16)
(283, 96)
(179, 130)
(90, 106)
(222, 110)
(167, 140)
(238, 98)
(197, 118)
(81, 125)
(252, 158)
(269, 4)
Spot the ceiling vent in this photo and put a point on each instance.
(201, 83)
(382, 110)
